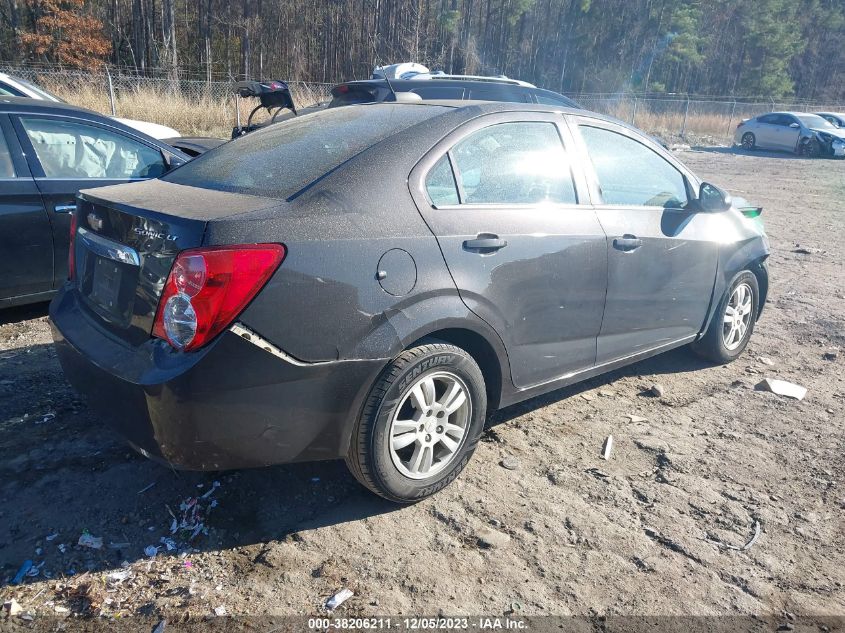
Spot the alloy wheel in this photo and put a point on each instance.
(737, 316)
(430, 425)
(748, 141)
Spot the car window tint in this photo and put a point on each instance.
(630, 173)
(548, 100)
(439, 92)
(7, 91)
(768, 118)
(68, 149)
(280, 160)
(497, 93)
(7, 169)
(440, 184)
(514, 163)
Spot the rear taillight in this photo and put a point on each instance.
(71, 253)
(208, 287)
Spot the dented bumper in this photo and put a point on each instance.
(233, 404)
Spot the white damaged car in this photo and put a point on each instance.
(799, 132)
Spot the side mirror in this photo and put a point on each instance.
(172, 161)
(794, 126)
(712, 199)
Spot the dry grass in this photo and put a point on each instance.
(198, 115)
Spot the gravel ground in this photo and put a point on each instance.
(658, 529)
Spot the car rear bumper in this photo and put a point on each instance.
(230, 405)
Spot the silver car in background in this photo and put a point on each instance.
(836, 118)
(799, 132)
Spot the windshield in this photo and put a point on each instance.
(281, 159)
(814, 120)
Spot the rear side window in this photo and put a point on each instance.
(440, 92)
(632, 174)
(440, 184)
(7, 169)
(771, 119)
(497, 93)
(511, 163)
(281, 159)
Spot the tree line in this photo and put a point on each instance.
(771, 48)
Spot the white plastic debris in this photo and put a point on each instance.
(608, 447)
(338, 599)
(220, 611)
(88, 540)
(12, 607)
(51, 537)
(151, 551)
(635, 418)
(117, 577)
(782, 388)
(168, 543)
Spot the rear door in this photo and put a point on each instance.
(26, 240)
(661, 256)
(67, 154)
(502, 197)
(766, 131)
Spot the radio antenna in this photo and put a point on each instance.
(389, 85)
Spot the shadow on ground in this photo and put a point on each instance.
(23, 313)
(70, 474)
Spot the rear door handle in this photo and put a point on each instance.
(485, 243)
(64, 208)
(627, 243)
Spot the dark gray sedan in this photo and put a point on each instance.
(369, 282)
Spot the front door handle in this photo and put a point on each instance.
(64, 208)
(627, 243)
(485, 243)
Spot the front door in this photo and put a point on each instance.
(26, 241)
(502, 199)
(661, 257)
(67, 155)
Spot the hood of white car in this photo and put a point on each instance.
(150, 129)
(837, 133)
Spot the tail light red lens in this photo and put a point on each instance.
(71, 252)
(209, 287)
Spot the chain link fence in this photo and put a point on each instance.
(208, 107)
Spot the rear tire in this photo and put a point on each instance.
(733, 322)
(420, 424)
(749, 141)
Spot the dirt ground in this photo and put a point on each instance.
(560, 532)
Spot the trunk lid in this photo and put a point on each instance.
(127, 239)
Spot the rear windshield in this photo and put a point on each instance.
(281, 159)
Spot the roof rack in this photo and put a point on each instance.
(498, 80)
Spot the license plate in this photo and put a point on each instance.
(105, 284)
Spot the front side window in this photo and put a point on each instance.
(632, 174)
(7, 169)
(771, 119)
(514, 163)
(69, 149)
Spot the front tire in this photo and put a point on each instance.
(733, 322)
(420, 424)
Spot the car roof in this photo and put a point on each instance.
(471, 109)
(837, 114)
(17, 104)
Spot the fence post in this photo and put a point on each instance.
(684, 124)
(111, 92)
(634, 111)
(731, 118)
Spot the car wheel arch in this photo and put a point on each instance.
(482, 352)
